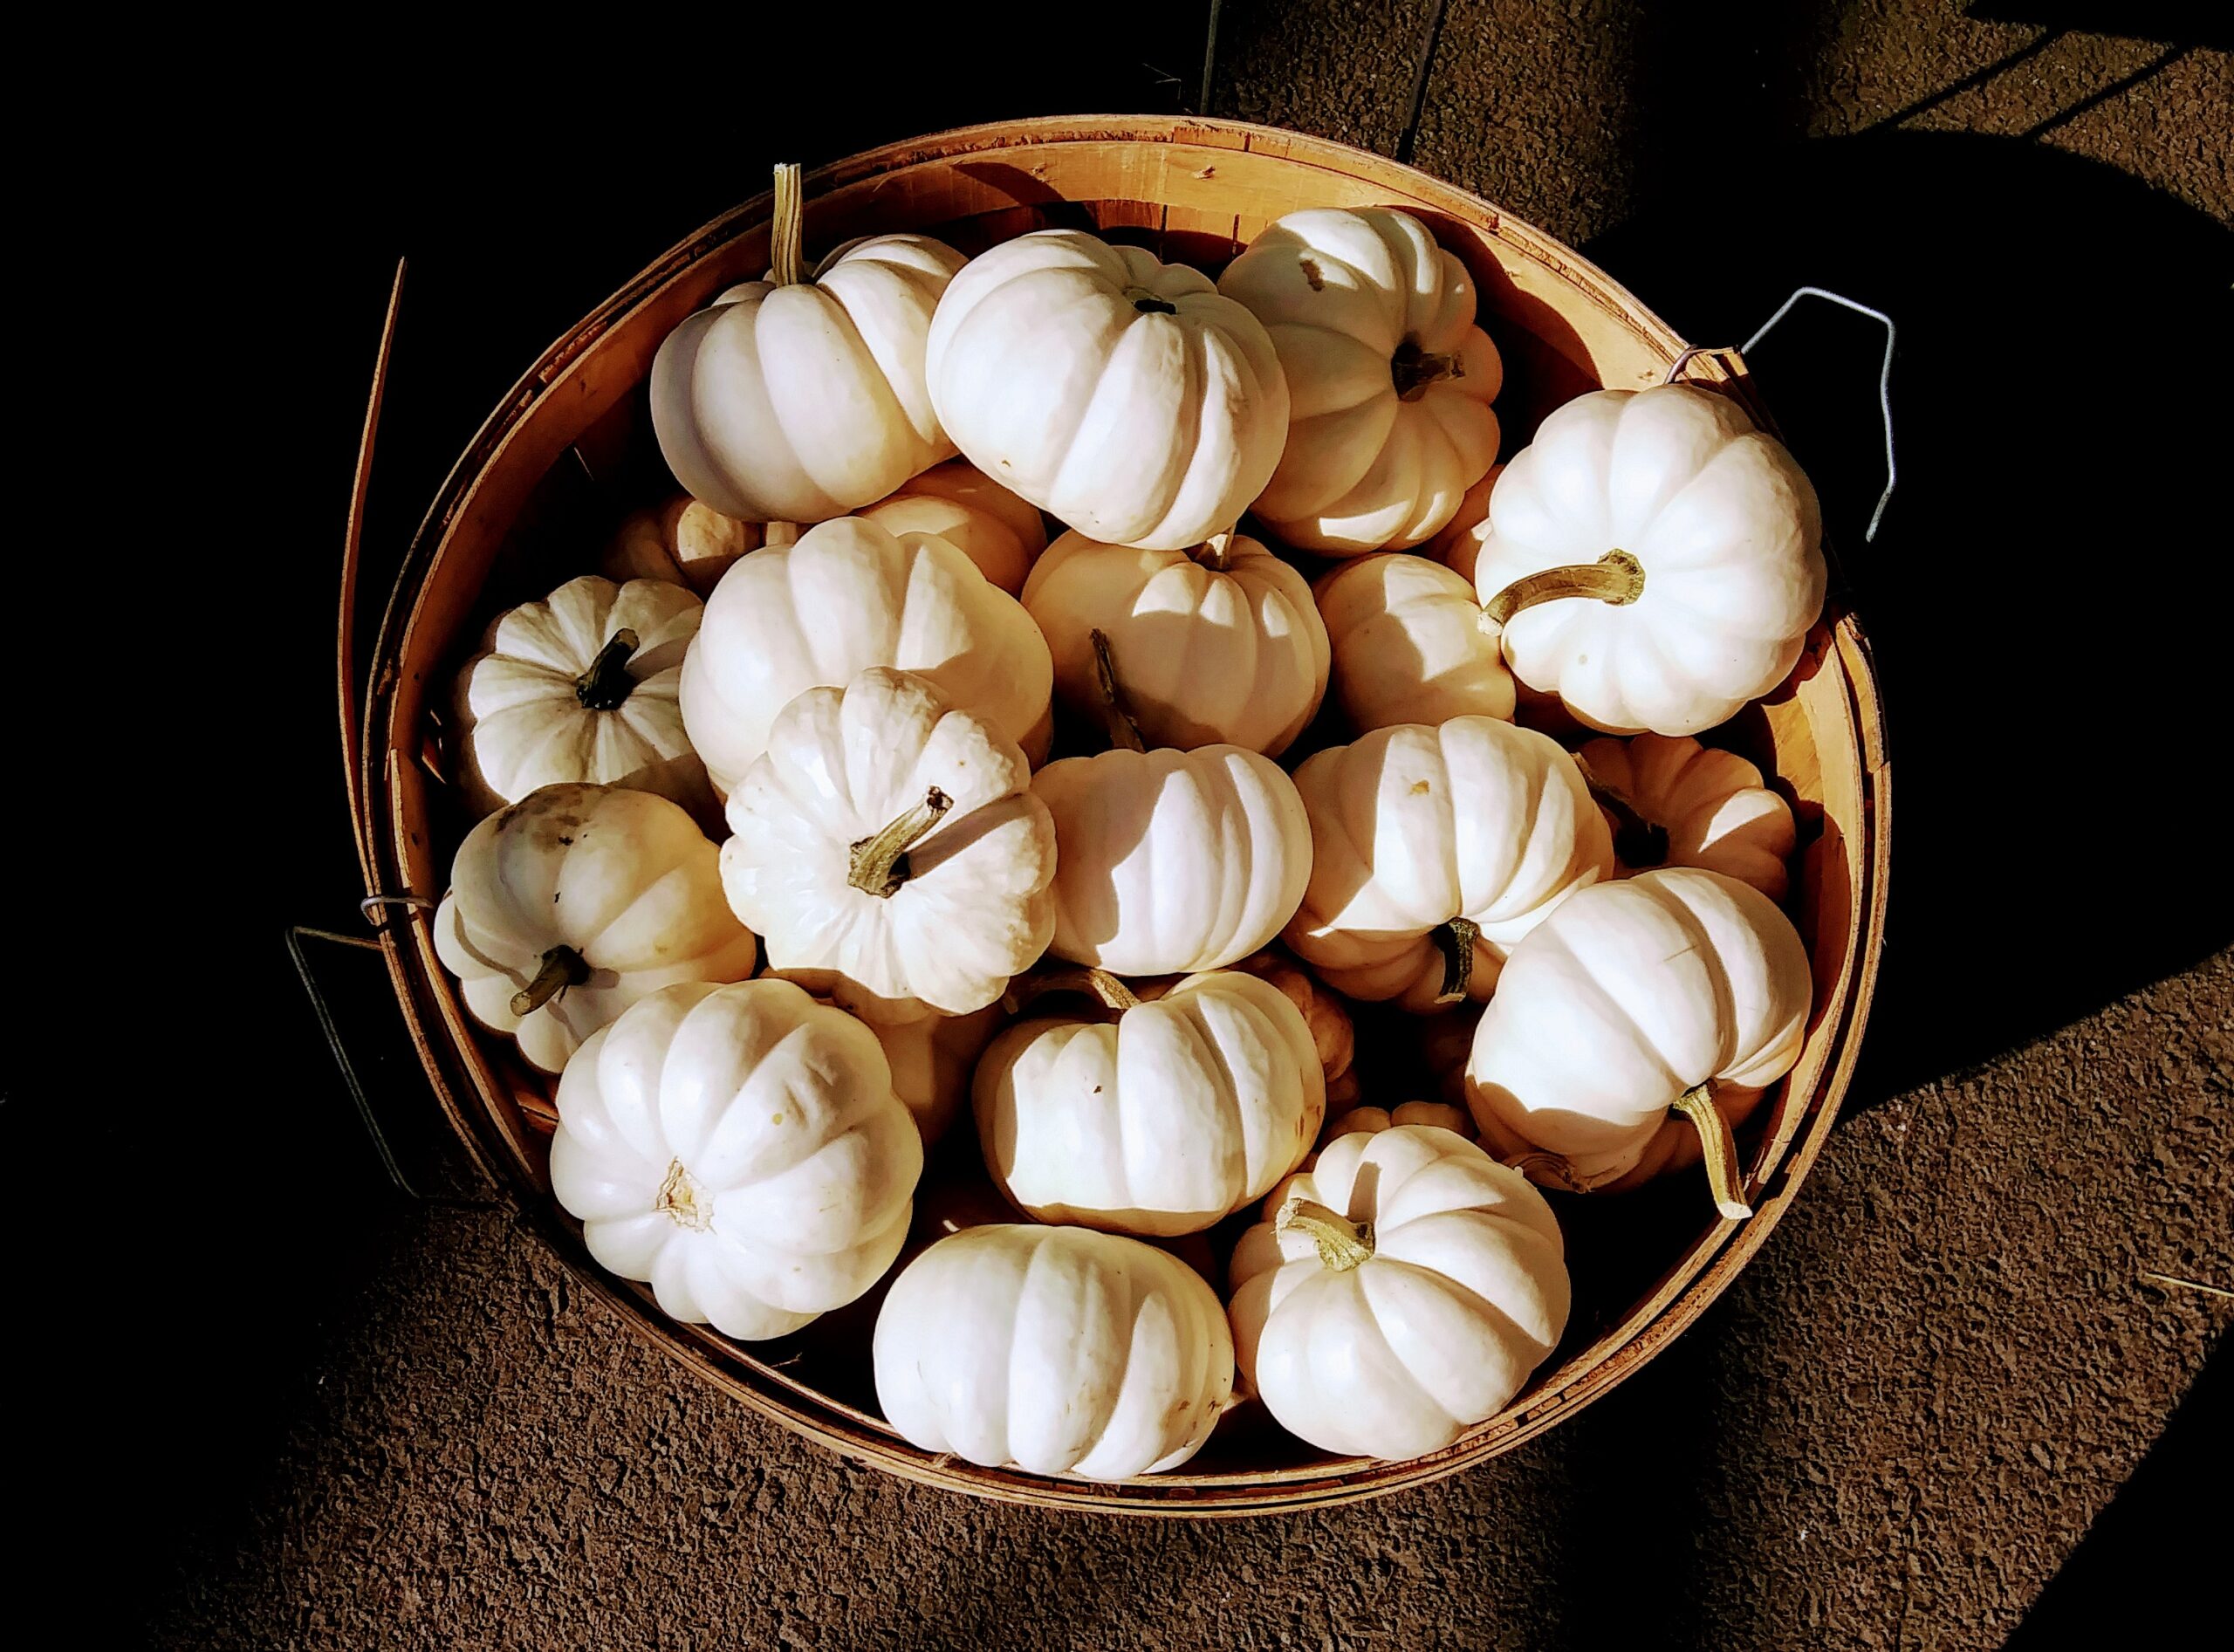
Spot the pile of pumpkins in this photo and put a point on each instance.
(845, 654)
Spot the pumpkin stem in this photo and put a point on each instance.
(1148, 305)
(1456, 938)
(1637, 842)
(1123, 731)
(1216, 552)
(680, 1200)
(1414, 369)
(1719, 1147)
(1097, 984)
(1617, 577)
(880, 863)
(606, 683)
(1549, 1170)
(1342, 1243)
(787, 229)
(562, 967)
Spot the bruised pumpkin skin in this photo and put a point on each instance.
(1053, 1350)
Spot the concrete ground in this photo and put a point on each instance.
(1950, 1400)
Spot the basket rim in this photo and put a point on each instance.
(1707, 1266)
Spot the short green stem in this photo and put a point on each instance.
(1616, 578)
(607, 685)
(880, 863)
(1116, 716)
(1343, 1244)
(1717, 1147)
(560, 968)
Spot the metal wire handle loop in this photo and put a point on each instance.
(418, 902)
(1884, 379)
(1884, 376)
(352, 1080)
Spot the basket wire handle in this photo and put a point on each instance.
(352, 1080)
(1884, 376)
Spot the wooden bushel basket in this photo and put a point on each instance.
(569, 450)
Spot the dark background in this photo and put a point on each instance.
(1942, 1404)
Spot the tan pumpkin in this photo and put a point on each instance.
(1003, 534)
(1458, 546)
(1408, 645)
(1217, 644)
(682, 542)
(1674, 802)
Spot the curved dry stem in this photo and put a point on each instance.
(1617, 577)
(1342, 1243)
(1457, 939)
(1717, 1147)
(1102, 987)
(560, 968)
(1116, 716)
(878, 865)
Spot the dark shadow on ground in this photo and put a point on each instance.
(2050, 596)
(2153, 1545)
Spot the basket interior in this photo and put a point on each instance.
(573, 453)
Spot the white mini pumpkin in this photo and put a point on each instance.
(1674, 802)
(682, 542)
(933, 1058)
(889, 850)
(1124, 395)
(1053, 1350)
(1652, 559)
(740, 1148)
(1003, 534)
(1397, 1293)
(1161, 1121)
(1635, 1026)
(849, 595)
(801, 397)
(1408, 644)
(1169, 862)
(1389, 380)
(1434, 851)
(1217, 644)
(581, 687)
(566, 908)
